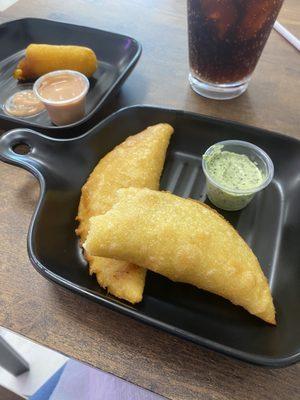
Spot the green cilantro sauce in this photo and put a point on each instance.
(234, 172)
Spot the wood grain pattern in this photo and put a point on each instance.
(8, 395)
(57, 318)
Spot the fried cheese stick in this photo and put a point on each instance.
(43, 58)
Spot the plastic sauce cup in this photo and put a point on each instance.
(71, 108)
(230, 199)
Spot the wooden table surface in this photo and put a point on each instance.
(57, 318)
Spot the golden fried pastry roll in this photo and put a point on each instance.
(184, 240)
(43, 58)
(138, 161)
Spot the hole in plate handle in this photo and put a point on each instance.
(21, 148)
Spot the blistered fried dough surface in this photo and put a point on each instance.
(138, 161)
(185, 241)
(122, 279)
(43, 58)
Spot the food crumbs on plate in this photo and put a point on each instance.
(23, 104)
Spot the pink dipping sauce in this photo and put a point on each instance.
(23, 104)
(63, 94)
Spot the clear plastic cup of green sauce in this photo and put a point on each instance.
(235, 171)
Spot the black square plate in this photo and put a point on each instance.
(270, 225)
(118, 55)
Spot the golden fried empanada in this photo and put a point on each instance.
(185, 241)
(138, 161)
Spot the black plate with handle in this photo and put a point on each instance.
(117, 55)
(270, 225)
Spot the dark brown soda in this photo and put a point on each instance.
(226, 37)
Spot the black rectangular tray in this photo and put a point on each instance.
(117, 54)
(270, 225)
